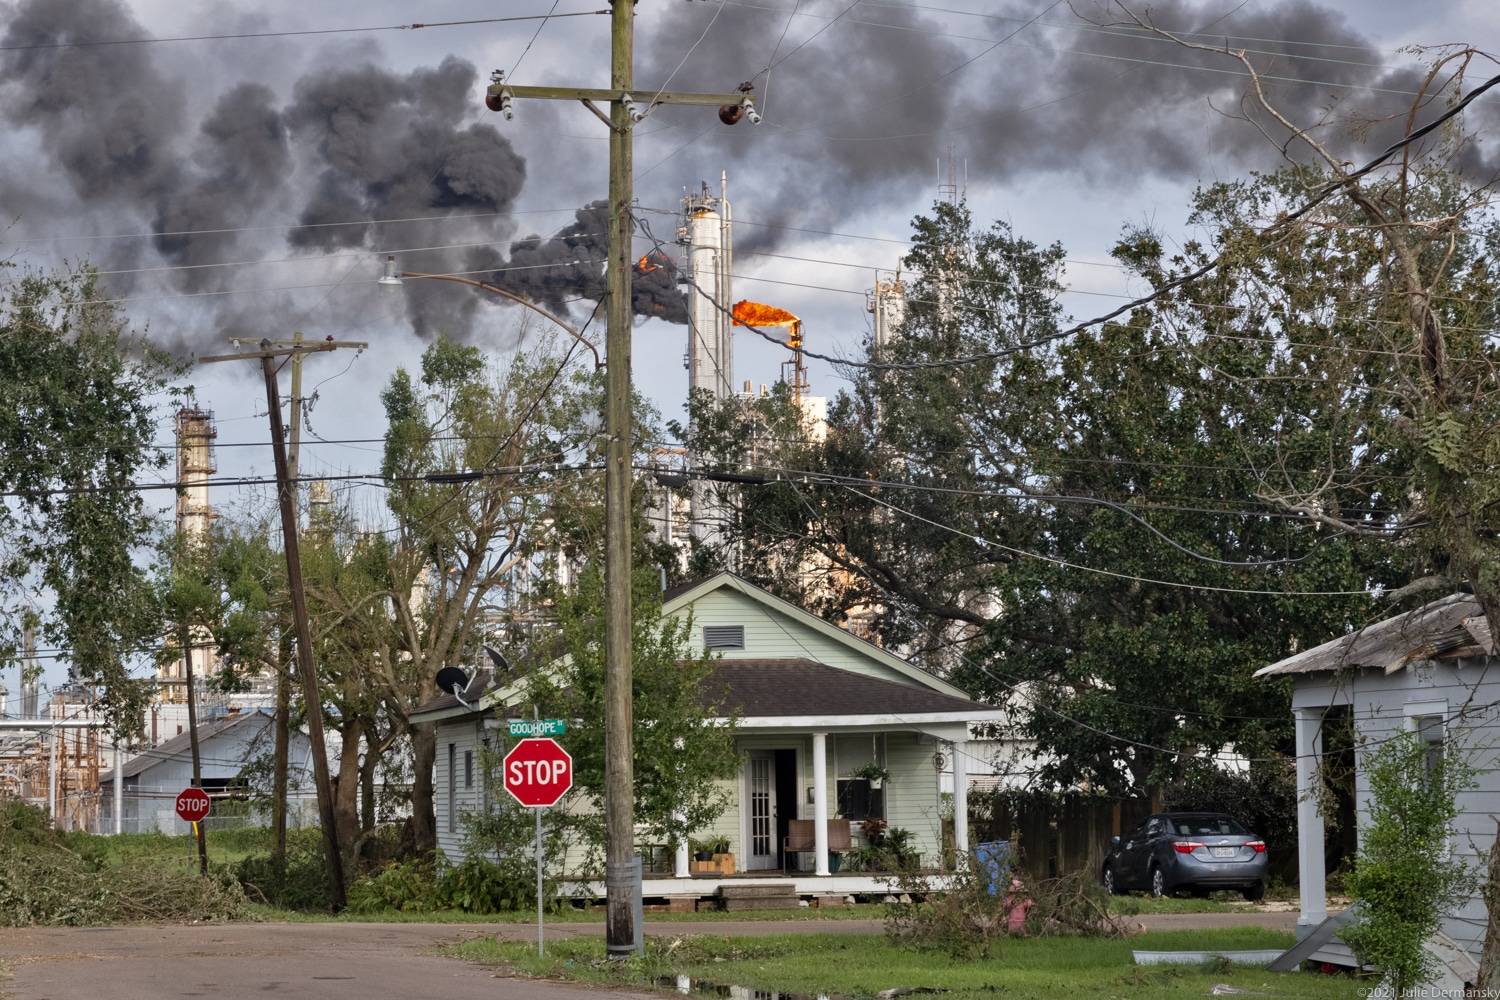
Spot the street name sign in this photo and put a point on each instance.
(538, 727)
(538, 772)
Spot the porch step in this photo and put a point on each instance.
(752, 889)
(760, 896)
(763, 903)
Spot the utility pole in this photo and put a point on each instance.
(303, 633)
(622, 871)
(186, 638)
(281, 741)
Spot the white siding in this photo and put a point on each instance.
(773, 636)
(1380, 705)
(911, 797)
(464, 738)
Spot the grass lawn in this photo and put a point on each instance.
(1045, 968)
(224, 846)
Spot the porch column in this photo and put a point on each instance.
(119, 791)
(961, 798)
(1311, 876)
(680, 861)
(820, 802)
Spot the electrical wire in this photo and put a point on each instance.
(1161, 290)
(983, 542)
(1016, 689)
(534, 36)
(292, 34)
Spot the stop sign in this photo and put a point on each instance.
(192, 805)
(538, 772)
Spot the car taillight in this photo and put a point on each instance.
(1259, 845)
(1185, 846)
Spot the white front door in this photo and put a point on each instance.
(761, 788)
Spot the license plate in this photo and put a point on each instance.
(1225, 852)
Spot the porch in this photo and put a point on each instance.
(804, 885)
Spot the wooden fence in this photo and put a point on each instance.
(1053, 834)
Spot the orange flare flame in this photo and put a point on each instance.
(747, 313)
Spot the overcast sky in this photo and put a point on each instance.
(247, 187)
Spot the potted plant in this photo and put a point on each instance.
(874, 829)
(873, 773)
(703, 850)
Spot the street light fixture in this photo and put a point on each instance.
(391, 279)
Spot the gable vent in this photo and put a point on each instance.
(723, 637)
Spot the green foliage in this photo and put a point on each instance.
(1110, 491)
(1405, 875)
(404, 886)
(475, 886)
(297, 881)
(471, 458)
(479, 886)
(78, 398)
(683, 739)
(51, 878)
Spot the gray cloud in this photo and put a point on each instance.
(871, 103)
(856, 115)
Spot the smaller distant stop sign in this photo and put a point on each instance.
(192, 805)
(538, 772)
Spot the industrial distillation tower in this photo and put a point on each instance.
(195, 517)
(706, 236)
(708, 244)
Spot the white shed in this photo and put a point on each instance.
(1433, 671)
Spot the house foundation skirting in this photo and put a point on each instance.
(668, 887)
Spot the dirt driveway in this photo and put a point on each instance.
(348, 961)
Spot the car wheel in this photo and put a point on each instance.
(1109, 881)
(1255, 892)
(1158, 883)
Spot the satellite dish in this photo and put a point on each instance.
(497, 659)
(452, 680)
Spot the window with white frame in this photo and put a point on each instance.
(1433, 735)
(860, 787)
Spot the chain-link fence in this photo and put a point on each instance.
(154, 810)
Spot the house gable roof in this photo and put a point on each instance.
(1447, 628)
(179, 746)
(872, 682)
(801, 687)
(682, 598)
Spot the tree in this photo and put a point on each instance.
(1405, 875)
(488, 472)
(684, 730)
(1075, 530)
(78, 398)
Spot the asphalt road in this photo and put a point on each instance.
(347, 961)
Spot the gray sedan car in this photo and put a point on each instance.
(1170, 852)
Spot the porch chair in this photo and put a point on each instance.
(801, 837)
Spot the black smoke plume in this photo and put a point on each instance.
(569, 266)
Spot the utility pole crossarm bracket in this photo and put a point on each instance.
(306, 347)
(274, 353)
(606, 96)
(597, 113)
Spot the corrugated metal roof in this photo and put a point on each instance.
(177, 746)
(1450, 626)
